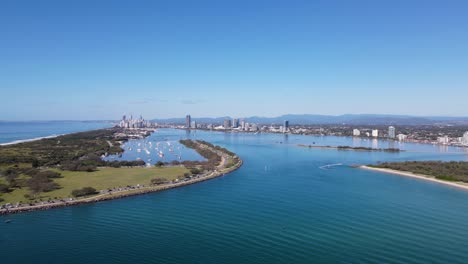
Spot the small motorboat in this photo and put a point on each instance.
(7, 221)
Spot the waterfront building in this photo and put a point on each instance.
(402, 137)
(235, 123)
(227, 123)
(375, 132)
(465, 139)
(443, 140)
(391, 132)
(188, 121)
(285, 126)
(242, 124)
(193, 124)
(356, 132)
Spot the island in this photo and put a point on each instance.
(352, 148)
(453, 173)
(70, 170)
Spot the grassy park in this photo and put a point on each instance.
(104, 178)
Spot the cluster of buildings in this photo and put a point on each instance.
(375, 133)
(135, 123)
(416, 134)
(446, 140)
(236, 124)
(391, 134)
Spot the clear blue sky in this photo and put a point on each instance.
(100, 59)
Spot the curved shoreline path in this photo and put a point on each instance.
(220, 170)
(417, 176)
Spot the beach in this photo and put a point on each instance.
(461, 185)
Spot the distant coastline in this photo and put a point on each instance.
(30, 140)
(417, 176)
(351, 148)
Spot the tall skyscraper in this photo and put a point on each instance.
(188, 121)
(375, 132)
(227, 123)
(235, 123)
(391, 132)
(286, 126)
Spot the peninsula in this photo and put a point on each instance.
(69, 170)
(449, 173)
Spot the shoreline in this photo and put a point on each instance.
(122, 194)
(417, 176)
(19, 141)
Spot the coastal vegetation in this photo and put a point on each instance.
(449, 171)
(353, 148)
(63, 150)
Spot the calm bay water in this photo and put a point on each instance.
(280, 207)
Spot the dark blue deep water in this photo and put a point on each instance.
(280, 207)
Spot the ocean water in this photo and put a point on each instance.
(15, 131)
(279, 207)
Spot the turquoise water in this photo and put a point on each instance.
(280, 207)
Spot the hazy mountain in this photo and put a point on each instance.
(309, 119)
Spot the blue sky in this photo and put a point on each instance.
(100, 59)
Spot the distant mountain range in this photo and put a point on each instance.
(309, 119)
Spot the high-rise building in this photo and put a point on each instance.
(356, 132)
(235, 123)
(227, 123)
(188, 121)
(286, 126)
(465, 139)
(242, 123)
(193, 124)
(391, 132)
(375, 132)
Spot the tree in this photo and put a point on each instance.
(158, 181)
(35, 163)
(4, 188)
(159, 164)
(84, 191)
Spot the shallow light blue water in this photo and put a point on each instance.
(280, 207)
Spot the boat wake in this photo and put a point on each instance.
(328, 166)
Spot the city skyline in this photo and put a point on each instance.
(238, 59)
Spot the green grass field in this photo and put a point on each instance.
(104, 178)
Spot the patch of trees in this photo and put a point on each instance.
(205, 149)
(4, 188)
(158, 181)
(38, 181)
(368, 149)
(451, 171)
(90, 163)
(41, 183)
(84, 191)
